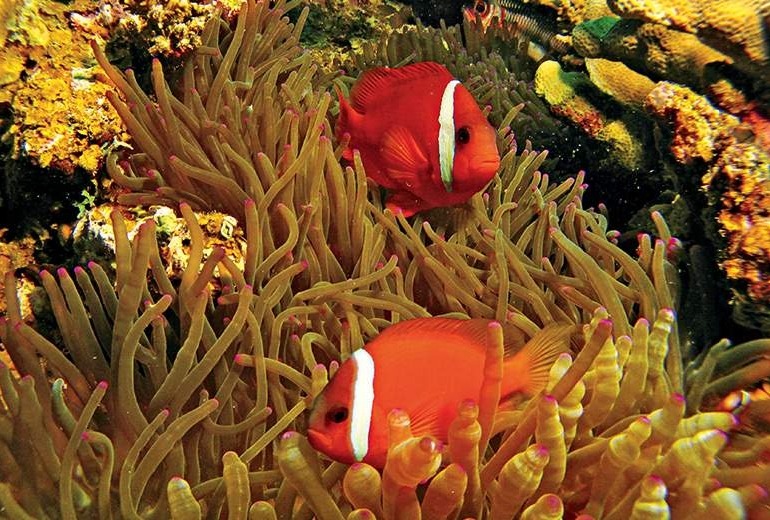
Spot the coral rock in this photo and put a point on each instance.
(572, 95)
(735, 27)
(742, 175)
(700, 131)
(652, 49)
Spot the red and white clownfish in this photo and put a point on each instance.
(420, 134)
(426, 367)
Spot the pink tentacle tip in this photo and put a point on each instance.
(429, 445)
(61, 272)
(552, 230)
(166, 412)
(677, 398)
(668, 312)
(541, 450)
(553, 502)
(658, 481)
(294, 338)
(495, 325)
(288, 435)
(78, 270)
(304, 264)
(104, 385)
(550, 399)
(85, 436)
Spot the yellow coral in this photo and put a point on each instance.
(734, 26)
(61, 117)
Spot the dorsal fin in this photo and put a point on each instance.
(473, 330)
(379, 80)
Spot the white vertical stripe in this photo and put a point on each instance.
(446, 134)
(363, 400)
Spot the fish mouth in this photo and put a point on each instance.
(486, 164)
(319, 441)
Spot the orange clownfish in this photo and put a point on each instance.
(420, 134)
(426, 367)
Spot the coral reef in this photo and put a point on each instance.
(185, 399)
(164, 28)
(60, 115)
(696, 74)
(736, 179)
(735, 27)
(700, 132)
(574, 96)
(741, 175)
(652, 49)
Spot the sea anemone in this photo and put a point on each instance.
(170, 397)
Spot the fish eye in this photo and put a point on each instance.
(481, 6)
(463, 135)
(337, 414)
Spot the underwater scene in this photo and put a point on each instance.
(358, 259)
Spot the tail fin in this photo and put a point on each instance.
(526, 371)
(342, 125)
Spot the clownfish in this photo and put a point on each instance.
(426, 367)
(420, 134)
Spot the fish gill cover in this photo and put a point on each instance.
(185, 396)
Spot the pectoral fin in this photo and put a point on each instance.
(404, 160)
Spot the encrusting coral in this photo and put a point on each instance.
(736, 27)
(650, 48)
(574, 96)
(59, 109)
(176, 401)
(737, 181)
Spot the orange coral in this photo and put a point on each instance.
(700, 131)
(744, 170)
